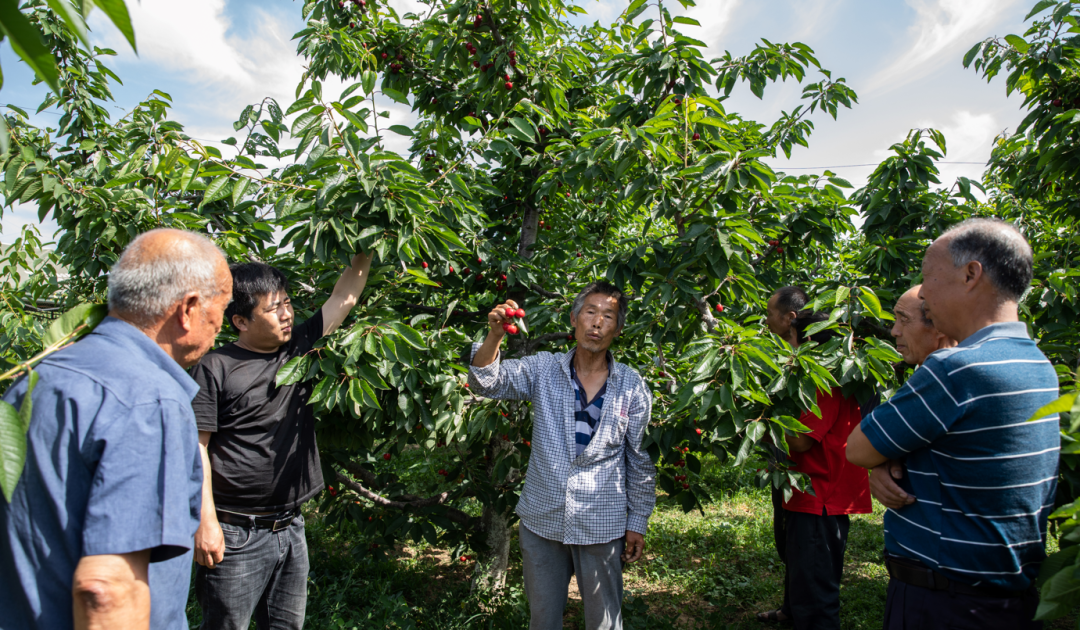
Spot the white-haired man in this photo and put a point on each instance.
(590, 487)
(916, 339)
(99, 532)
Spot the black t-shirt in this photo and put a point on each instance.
(263, 454)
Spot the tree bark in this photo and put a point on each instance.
(490, 572)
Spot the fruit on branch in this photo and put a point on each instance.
(697, 136)
(424, 265)
(719, 308)
(386, 456)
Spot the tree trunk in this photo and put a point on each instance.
(490, 572)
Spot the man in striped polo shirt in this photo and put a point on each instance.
(965, 554)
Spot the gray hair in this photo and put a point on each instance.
(1000, 248)
(603, 288)
(151, 278)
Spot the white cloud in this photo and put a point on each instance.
(940, 29)
(715, 17)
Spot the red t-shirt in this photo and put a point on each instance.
(840, 486)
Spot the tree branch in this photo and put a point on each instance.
(548, 294)
(706, 314)
(411, 502)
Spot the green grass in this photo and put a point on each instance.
(711, 570)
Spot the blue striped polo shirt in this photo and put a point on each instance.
(983, 476)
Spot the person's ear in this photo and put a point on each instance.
(973, 272)
(240, 322)
(573, 320)
(189, 310)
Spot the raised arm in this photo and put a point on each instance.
(346, 293)
(492, 378)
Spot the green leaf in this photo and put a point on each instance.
(410, 335)
(1039, 7)
(870, 301)
(74, 20)
(525, 128)
(293, 371)
(682, 19)
(118, 14)
(218, 189)
(1061, 405)
(66, 327)
(13, 427)
(401, 130)
(395, 95)
(28, 44)
(1019, 43)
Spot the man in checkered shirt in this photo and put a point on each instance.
(590, 487)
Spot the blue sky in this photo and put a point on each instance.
(903, 58)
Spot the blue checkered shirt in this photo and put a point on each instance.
(585, 499)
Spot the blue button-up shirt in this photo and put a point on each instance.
(112, 467)
(585, 499)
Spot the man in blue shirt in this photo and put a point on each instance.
(966, 552)
(99, 532)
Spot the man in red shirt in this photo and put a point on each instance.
(816, 526)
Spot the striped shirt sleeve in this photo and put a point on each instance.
(920, 412)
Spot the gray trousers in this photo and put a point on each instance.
(548, 565)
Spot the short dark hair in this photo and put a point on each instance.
(603, 288)
(791, 299)
(1000, 248)
(251, 281)
(804, 319)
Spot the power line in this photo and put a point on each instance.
(807, 168)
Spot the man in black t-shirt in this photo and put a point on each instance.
(260, 460)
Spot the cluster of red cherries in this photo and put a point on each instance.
(508, 327)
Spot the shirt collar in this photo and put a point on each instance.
(569, 363)
(126, 335)
(1017, 330)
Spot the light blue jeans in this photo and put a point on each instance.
(548, 566)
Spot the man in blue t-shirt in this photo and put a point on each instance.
(99, 531)
(966, 552)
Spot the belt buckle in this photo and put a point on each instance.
(280, 525)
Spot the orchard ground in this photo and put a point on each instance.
(711, 570)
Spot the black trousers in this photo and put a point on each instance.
(812, 550)
(915, 608)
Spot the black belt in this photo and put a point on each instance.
(273, 522)
(916, 575)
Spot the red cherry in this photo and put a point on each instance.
(1057, 102)
(678, 101)
(570, 337)
(512, 329)
(509, 85)
(780, 250)
(506, 76)
(424, 265)
(698, 431)
(480, 260)
(384, 55)
(686, 486)
(333, 492)
(464, 558)
(521, 312)
(466, 386)
(663, 375)
(579, 254)
(506, 326)
(352, 24)
(503, 277)
(476, 64)
(442, 472)
(513, 63)
(386, 456)
(719, 308)
(451, 270)
(697, 136)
